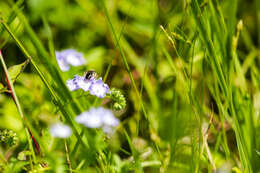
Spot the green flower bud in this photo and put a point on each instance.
(118, 98)
(8, 137)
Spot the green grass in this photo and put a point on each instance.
(189, 71)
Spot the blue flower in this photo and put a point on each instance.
(69, 57)
(95, 86)
(97, 118)
(60, 130)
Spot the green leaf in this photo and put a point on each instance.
(16, 70)
(22, 155)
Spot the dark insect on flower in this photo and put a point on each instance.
(90, 75)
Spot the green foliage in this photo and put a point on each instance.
(16, 70)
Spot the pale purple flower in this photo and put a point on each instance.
(69, 57)
(99, 88)
(60, 130)
(98, 117)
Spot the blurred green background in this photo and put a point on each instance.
(170, 64)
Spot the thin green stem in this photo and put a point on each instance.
(124, 60)
(16, 100)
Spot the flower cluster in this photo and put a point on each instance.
(95, 86)
(69, 57)
(98, 118)
(95, 117)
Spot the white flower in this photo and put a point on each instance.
(98, 117)
(69, 57)
(75, 60)
(90, 119)
(64, 66)
(60, 130)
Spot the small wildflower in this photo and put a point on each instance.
(64, 66)
(95, 86)
(97, 118)
(69, 57)
(71, 85)
(99, 88)
(60, 130)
